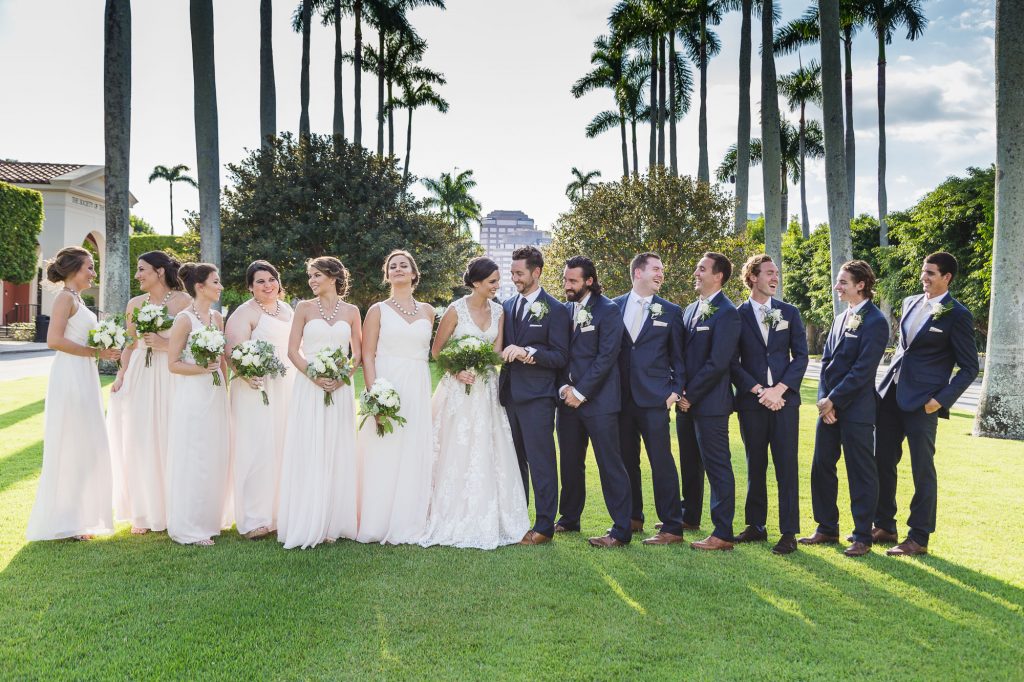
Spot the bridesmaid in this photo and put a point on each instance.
(140, 403)
(396, 468)
(73, 498)
(198, 457)
(257, 429)
(318, 472)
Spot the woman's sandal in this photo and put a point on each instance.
(257, 533)
(208, 542)
(85, 537)
(139, 531)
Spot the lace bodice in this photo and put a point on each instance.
(466, 325)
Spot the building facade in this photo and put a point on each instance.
(501, 233)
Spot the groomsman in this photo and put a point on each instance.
(711, 334)
(536, 335)
(936, 332)
(651, 375)
(589, 411)
(767, 374)
(847, 411)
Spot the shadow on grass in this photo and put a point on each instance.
(18, 414)
(18, 466)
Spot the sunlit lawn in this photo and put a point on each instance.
(131, 607)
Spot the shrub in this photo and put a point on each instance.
(21, 221)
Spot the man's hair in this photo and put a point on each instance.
(945, 262)
(639, 262)
(589, 272)
(531, 254)
(861, 272)
(752, 268)
(722, 264)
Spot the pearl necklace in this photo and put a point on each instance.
(196, 313)
(167, 297)
(415, 307)
(72, 292)
(320, 305)
(277, 310)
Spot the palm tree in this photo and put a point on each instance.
(268, 90)
(701, 44)
(577, 189)
(417, 93)
(609, 60)
(305, 13)
(451, 197)
(357, 56)
(774, 224)
(207, 154)
(1001, 408)
(743, 121)
(332, 12)
(117, 95)
(631, 90)
(172, 175)
(401, 55)
(799, 88)
(885, 17)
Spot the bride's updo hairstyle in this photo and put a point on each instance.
(170, 264)
(412, 264)
(195, 273)
(66, 263)
(332, 267)
(478, 270)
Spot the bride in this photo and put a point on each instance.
(477, 498)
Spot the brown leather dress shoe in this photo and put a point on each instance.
(663, 538)
(819, 539)
(785, 545)
(606, 541)
(532, 537)
(878, 535)
(636, 526)
(907, 548)
(712, 543)
(559, 528)
(686, 526)
(857, 549)
(752, 534)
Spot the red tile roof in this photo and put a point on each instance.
(34, 173)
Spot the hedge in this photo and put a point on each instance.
(21, 221)
(183, 247)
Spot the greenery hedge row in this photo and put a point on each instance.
(21, 221)
(183, 247)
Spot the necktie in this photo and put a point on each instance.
(638, 319)
(916, 322)
(518, 319)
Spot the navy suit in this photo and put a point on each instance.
(593, 372)
(703, 431)
(924, 367)
(785, 354)
(848, 366)
(528, 394)
(650, 370)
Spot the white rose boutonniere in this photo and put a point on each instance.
(583, 317)
(772, 317)
(853, 322)
(539, 310)
(705, 310)
(938, 310)
(656, 310)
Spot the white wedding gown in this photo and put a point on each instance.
(477, 499)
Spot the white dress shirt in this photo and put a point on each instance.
(635, 301)
(531, 298)
(576, 307)
(759, 315)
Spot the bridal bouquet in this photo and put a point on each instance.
(383, 402)
(151, 318)
(256, 359)
(330, 362)
(206, 345)
(108, 334)
(468, 353)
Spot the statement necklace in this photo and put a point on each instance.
(277, 310)
(320, 305)
(167, 297)
(415, 307)
(196, 313)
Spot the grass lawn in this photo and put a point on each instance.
(145, 608)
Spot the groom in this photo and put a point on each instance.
(536, 337)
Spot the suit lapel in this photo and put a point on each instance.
(750, 317)
(649, 322)
(928, 321)
(577, 327)
(905, 322)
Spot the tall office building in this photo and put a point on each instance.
(501, 233)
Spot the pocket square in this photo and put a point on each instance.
(659, 324)
(703, 329)
(783, 324)
(934, 329)
(587, 329)
(536, 325)
(850, 336)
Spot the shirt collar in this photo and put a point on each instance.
(530, 298)
(583, 303)
(856, 309)
(757, 306)
(637, 297)
(712, 296)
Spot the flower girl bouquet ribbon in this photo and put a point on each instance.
(468, 353)
(150, 319)
(382, 402)
(206, 345)
(330, 362)
(257, 359)
(108, 334)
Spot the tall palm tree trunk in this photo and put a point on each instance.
(805, 221)
(840, 242)
(784, 200)
(673, 158)
(703, 169)
(743, 122)
(307, 18)
(1001, 408)
(661, 100)
(653, 159)
(625, 148)
(636, 158)
(268, 89)
(381, 57)
(771, 142)
(357, 55)
(883, 208)
(339, 97)
(171, 186)
(117, 108)
(207, 154)
(408, 149)
(851, 143)
(391, 123)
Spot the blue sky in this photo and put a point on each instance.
(509, 68)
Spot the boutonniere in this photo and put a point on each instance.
(538, 309)
(853, 321)
(705, 310)
(656, 310)
(772, 317)
(583, 317)
(938, 310)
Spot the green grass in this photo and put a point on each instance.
(143, 607)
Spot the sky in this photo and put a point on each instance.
(513, 121)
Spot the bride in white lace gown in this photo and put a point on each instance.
(477, 498)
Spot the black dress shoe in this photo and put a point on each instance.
(752, 534)
(785, 545)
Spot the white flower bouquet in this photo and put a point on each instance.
(108, 334)
(256, 359)
(382, 402)
(468, 352)
(206, 345)
(330, 362)
(150, 319)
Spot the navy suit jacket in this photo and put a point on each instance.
(849, 363)
(927, 363)
(785, 354)
(651, 368)
(710, 346)
(519, 382)
(593, 357)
